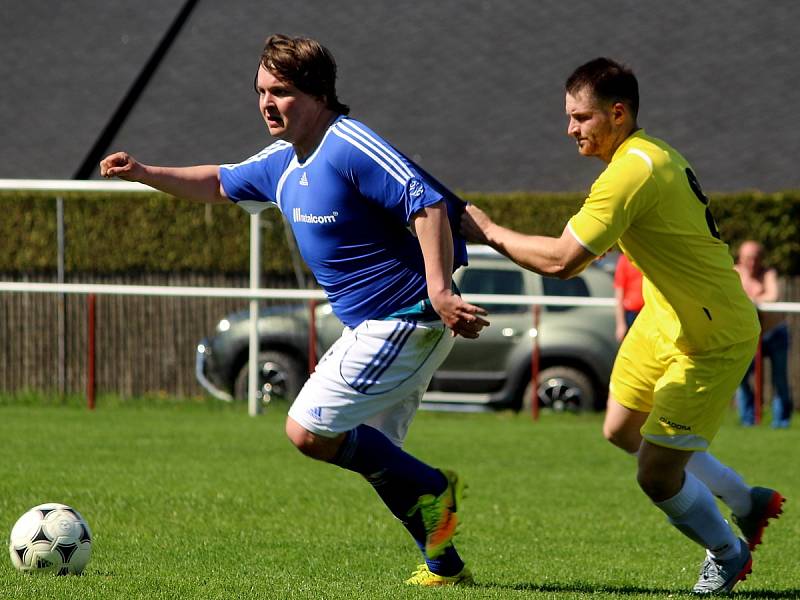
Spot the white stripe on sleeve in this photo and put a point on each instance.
(376, 143)
(271, 149)
(579, 240)
(386, 166)
(643, 156)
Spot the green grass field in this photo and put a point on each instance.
(198, 500)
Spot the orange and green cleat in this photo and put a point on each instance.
(439, 514)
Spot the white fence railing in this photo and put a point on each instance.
(284, 294)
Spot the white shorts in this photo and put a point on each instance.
(374, 374)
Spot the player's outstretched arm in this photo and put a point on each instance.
(562, 257)
(436, 241)
(200, 183)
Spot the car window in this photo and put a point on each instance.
(476, 280)
(575, 287)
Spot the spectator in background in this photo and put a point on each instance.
(761, 285)
(628, 294)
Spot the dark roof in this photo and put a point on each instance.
(472, 89)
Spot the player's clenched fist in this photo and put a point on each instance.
(122, 165)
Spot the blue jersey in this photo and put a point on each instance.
(349, 205)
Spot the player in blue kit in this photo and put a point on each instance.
(381, 237)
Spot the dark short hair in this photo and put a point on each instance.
(306, 64)
(608, 80)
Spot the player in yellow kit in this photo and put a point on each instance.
(687, 351)
(697, 322)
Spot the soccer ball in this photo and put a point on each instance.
(51, 538)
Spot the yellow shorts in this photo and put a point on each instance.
(686, 395)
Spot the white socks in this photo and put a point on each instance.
(694, 512)
(725, 483)
(722, 481)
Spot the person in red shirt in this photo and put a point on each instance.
(628, 293)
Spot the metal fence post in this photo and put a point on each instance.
(535, 364)
(90, 344)
(61, 368)
(253, 407)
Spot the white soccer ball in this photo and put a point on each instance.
(51, 538)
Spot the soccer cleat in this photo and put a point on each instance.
(766, 505)
(423, 576)
(439, 514)
(719, 576)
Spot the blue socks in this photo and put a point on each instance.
(399, 479)
(367, 451)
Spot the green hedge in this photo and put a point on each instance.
(136, 232)
(156, 233)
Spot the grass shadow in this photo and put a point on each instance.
(631, 590)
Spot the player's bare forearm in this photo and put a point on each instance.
(536, 253)
(561, 257)
(436, 241)
(199, 183)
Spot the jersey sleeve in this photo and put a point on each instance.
(382, 174)
(252, 183)
(616, 197)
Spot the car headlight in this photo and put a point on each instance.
(223, 325)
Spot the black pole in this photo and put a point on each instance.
(100, 147)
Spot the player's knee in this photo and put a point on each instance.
(649, 483)
(307, 443)
(611, 434)
(622, 438)
(301, 438)
(657, 486)
(311, 444)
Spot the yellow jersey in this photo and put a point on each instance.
(648, 200)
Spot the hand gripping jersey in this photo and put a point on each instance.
(349, 205)
(649, 200)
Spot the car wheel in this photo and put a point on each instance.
(280, 377)
(562, 389)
